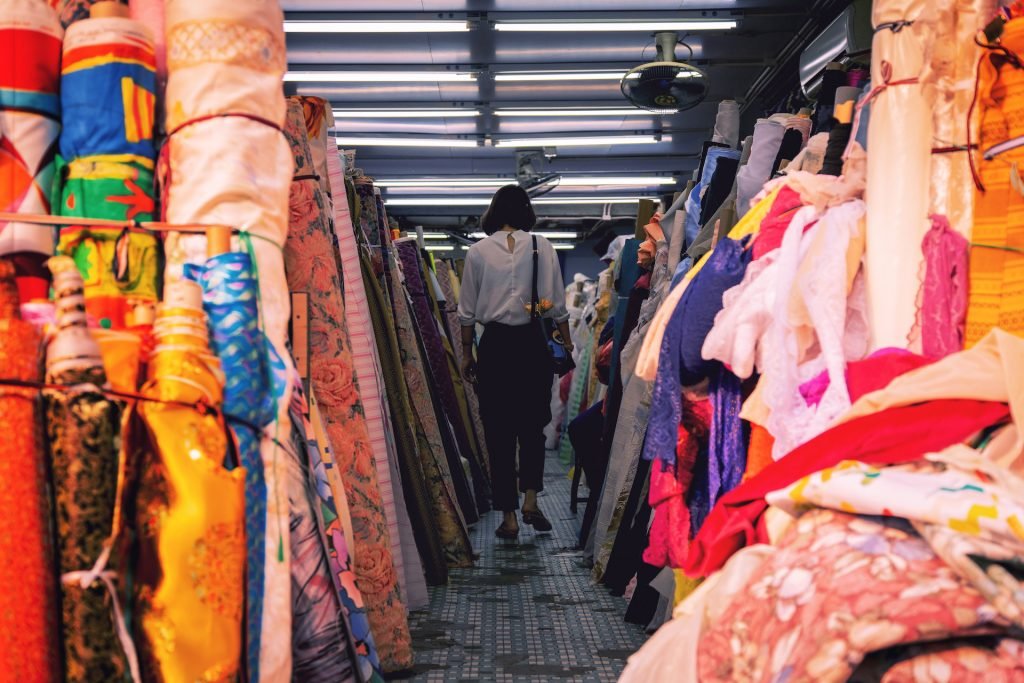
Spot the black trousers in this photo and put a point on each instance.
(514, 374)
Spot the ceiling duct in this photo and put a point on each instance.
(849, 35)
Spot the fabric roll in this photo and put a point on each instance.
(693, 204)
(150, 13)
(83, 432)
(333, 510)
(30, 35)
(898, 168)
(838, 139)
(717, 193)
(28, 607)
(439, 475)
(106, 163)
(996, 297)
(768, 136)
(727, 123)
(832, 80)
(802, 124)
(943, 297)
(321, 648)
(254, 375)
(225, 62)
(71, 11)
(792, 142)
(812, 156)
(313, 267)
(189, 576)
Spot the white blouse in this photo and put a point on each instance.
(497, 284)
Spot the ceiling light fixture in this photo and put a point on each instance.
(578, 141)
(449, 113)
(533, 76)
(379, 77)
(485, 201)
(489, 183)
(564, 247)
(403, 142)
(540, 233)
(433, 236)
(445, 182)
(438, 247)
(570, 26)
(297, 26)
(608, 111)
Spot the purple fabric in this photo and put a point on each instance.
(680, 362)
(944, 290)
(726, 461)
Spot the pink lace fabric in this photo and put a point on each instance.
(943, 313)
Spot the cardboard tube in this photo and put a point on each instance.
(108, 8)
(218, 240)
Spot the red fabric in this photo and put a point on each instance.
(31, 75)
(669, 539)
(564, 385)
(773, 227)
(888, 437)
(865, 376)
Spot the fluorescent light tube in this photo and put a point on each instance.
(439, 248)
(445, 182)
(597, 181)
(609, 111)
(559, 76)
(571, 26)
(485, 201)
(379, 77)
(487, 183)
(449, 113)
(297, 26)
(541, 233)
(564, 246)
(551, 201)
(403, 142)
(578, 141)
(432, 236)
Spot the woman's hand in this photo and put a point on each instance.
(469, 368)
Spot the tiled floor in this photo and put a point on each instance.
(526, 612)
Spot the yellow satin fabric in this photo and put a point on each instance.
(191, 518)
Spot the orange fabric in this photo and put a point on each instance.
(759, 453)
(997, 275)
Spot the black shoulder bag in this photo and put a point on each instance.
(561, 362)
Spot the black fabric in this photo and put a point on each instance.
(832, 80)
(631, 538)
(644, 604)
(838, 139)
(792, 142)
(515, 405)
(721, 186)
(585, 436)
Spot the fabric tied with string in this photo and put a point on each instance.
(898, 176)
(189, 509)
(28, 603)
(996, 291)
(83, 428)
(30, 36)
(254, 373)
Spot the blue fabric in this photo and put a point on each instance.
(684, 267)
(692, 225)
(687, 328)
(865, 118)
(255, 375)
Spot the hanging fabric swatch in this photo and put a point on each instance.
(254, 374)
(30, 39)
(313, 268)
(28, 606)
(225, 62)
(106, 163)
(442, 480)
(189, 511)
(83, 429)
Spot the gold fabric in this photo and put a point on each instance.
(190, 515)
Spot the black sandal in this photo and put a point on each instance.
(506, 534)
(537, 520)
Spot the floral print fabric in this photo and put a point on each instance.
(311, 266)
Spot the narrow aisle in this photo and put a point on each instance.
(526, 612)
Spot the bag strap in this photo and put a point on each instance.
(534, 300)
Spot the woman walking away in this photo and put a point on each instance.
(515, 369)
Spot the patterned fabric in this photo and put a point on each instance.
(944, 290)
(312, 267)
(29, 118)
(83, 432)
(71, 11)
(254, 374)
(839, 587)
(321, 650)
(328, 483)
(996, 296)
(189, 512)
(727, 450)
(28, 606)
(447, 513)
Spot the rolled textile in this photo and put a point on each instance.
(71, 11)
(151, 14)
(440, 479)
(792, 143)
(254, 375)
(898, 167)
(312, 267)
(106, 163)
(189, 510)
(838, 139)
(802, 124)
(225, 62)
(693, 212)
(727, 123)
(83, 430)
(30, 40)
(28, 606)
(750, 178)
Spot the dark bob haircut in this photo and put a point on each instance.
(510, 206)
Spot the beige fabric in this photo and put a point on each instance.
(900, 140)
(992, 370)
